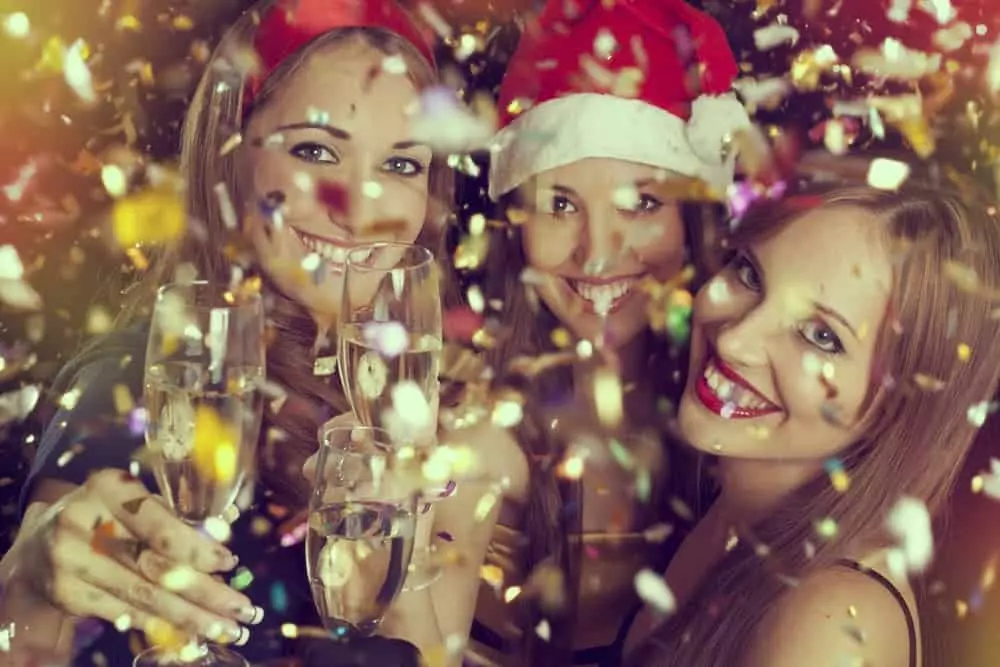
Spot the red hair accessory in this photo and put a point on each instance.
(291, 24)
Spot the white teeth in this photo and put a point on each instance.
(603, 296)
(732, 393)
(333, 254)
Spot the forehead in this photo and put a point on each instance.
(346, 82)
(836, 256)
(598, 175)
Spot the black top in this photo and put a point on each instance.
(92, 436)
(911, 627)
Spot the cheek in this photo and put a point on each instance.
(273, 172)
(548, 245)
(402, 206)
(659, 244)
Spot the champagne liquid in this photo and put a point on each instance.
(357, 555)
(369, 376)
(200, 478)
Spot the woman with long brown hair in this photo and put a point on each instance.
(841, 364)
(613, 116)
(298, 145)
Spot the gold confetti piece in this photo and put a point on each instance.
(964, 352)
(123, 401)
(961, 608)
(544, 630)
(492, 575)
(182, 22)
(852, 611)
(231, 144)
(215, 442)
(808, 66)
(154, 216)
(840, 480)
(608, 397)
(928, 383)
(561, 338)
(977, 483)
(485, 506)
(163, 635)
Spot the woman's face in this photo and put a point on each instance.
(594, 230)
(333, 148)
(783, 340)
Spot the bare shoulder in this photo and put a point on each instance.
(498, 452)
(837, 616)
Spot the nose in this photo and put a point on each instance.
(742, 337)
(361, 192)
(601, 239)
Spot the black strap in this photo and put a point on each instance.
(888, 585)
(603, 656)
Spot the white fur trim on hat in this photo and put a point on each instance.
(592, 125)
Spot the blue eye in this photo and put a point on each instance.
(313, 152)
(403, 166)
(821, 337)
(746, 272)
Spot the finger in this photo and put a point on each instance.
(82, 598)
(73, 559)
(145, 517)
(197, 587)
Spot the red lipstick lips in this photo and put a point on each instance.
(728, 394)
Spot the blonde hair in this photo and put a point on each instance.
(915, 438)
(214, 117)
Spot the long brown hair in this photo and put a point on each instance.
(554, 509)
(945, 288)
(216, 113)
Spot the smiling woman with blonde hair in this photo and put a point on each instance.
(842, 362)
(298, 145)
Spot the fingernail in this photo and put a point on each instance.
(250, 614)
(243, 638)
(230, 634)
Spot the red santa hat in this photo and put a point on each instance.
(647, 81)
(291, 24)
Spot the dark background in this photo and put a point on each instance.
(58, 227)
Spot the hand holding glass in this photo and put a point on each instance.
(204, 361)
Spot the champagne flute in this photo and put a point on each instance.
(204, 363)
(362, 525)
(390, 340)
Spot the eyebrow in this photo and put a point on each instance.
(343, 135)
(822, 308)
(830, 312)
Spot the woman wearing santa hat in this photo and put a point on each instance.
(615, 116)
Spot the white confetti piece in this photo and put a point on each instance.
(654, 591)
(11, 267)
(886, 174)
(991, 480)
(77, 74)
(17, 25)
(910, 523)
(775, 35)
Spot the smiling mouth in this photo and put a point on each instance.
(333, 252)
(727, 394)
(605, 297)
